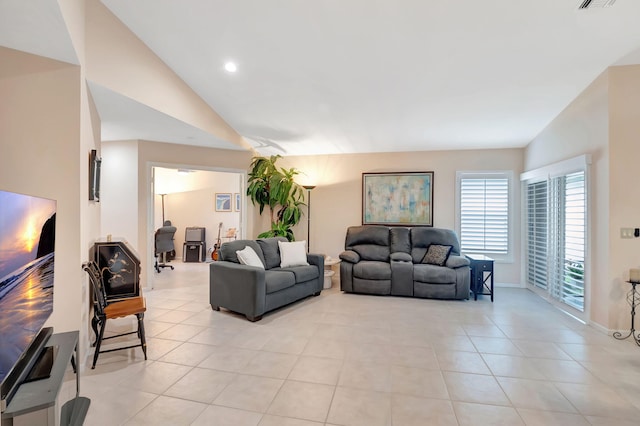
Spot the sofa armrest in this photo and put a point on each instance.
(401, 257)
(237, 287)
(350, 256)
(318, 261)
(457, 262)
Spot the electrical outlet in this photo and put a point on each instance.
(626, 232)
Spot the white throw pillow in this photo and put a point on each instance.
(293, 253)
(248, 256)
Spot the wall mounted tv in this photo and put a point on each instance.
(27, 255)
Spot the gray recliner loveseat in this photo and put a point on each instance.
(253, 290)
(393, 261)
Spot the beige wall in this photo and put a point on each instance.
(120, 61)
(40, 143)
(336, 201)
(624, 192)
(119, 191)
(582, 128)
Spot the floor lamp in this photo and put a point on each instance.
(309, 188)
(162, 195)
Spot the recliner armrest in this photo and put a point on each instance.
(457, 262)
(350, 256)
(401, 257)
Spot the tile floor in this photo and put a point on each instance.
(344, 359)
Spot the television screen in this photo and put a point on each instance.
(27, 251)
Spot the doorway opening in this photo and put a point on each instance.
(203, 204)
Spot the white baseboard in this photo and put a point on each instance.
(602, 328)
(509, 285)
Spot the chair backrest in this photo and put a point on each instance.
(164, 239)
(97, 285)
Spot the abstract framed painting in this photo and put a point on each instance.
(401, 199)
(223, 202)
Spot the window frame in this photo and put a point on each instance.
(488, 174)
(580, 163)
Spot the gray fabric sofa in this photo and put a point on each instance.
(388, 261)
(253, 291)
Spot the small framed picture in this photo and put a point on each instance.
(223, 202)
(236, 198)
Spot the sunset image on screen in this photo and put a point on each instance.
(21, 222)
(27, 257)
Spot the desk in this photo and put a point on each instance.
(481, 275)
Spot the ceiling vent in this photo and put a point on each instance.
(590, 4)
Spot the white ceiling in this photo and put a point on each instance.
(347, 76)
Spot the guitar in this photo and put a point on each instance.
(216, 246)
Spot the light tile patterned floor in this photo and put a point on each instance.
(345, 359)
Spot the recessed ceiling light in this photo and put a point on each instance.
(231, 67)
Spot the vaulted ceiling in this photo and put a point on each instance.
(363, 75)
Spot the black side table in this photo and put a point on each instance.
(633, 298)
(481, 275)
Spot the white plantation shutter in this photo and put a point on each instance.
(537, 234)
(556, 226)
(484, 213)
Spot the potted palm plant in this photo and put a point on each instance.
(275, 187)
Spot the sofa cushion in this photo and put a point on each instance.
(270, 251)
(378, 235)
(437, 254)
(277, 279)
(400, 240)
(372, 252)
(303, 273)
(228, 250)
(293, 253)
(423, 237)
(247, 256)
(433, 274)
(370, 242)
(372, 270)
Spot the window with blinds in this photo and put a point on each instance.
(556, 237)
(484, 213)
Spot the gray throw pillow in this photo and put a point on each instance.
(437, 254)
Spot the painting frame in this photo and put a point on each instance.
(397, 198)
(236, 202)
(223, 202)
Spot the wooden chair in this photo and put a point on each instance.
(103, 311)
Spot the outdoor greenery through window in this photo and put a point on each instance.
(484, 213)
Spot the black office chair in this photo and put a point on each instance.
(164, 244)
(103, 311)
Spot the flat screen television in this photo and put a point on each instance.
(27, 256)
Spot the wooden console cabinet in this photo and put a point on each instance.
(120, 267)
